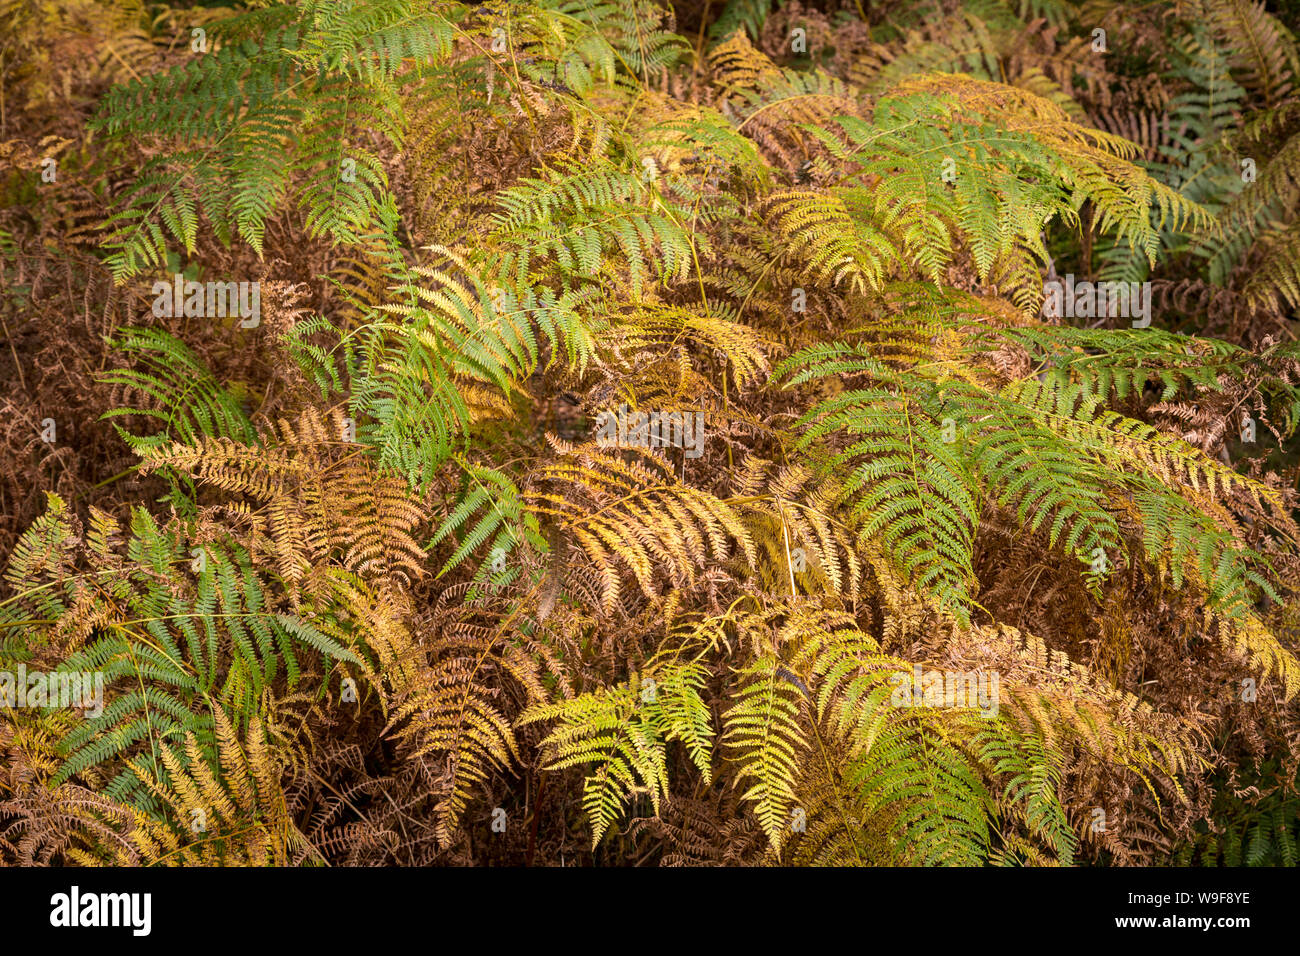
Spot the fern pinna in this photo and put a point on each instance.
(938, 572)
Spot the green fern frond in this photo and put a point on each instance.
(185, 396)
(906, 483)
(624, 730)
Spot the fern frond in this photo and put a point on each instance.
(624, 731)
(635, 515)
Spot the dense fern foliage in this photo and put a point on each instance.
(632, 432)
